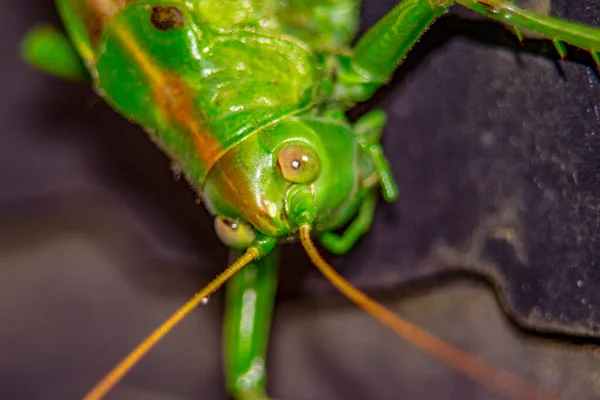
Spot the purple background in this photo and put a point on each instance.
(495, 151)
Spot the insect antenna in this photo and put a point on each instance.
(493, 378)
(118, 372)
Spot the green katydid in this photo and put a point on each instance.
(263, 138)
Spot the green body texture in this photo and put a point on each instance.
(251, 292)
(249, 99)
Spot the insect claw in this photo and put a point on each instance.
(519, 34)
(560, 47)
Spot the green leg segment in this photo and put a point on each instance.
(379, 51)
(555, 29)
(382, 48)
(368, 131)
(340, 244)
(250, 295)
(51, 51)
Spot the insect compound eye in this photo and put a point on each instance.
(234, 234)
(167, 17)
(298, 164)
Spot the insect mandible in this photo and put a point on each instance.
(285, 128)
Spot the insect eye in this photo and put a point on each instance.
(234, 234)
(298, 164)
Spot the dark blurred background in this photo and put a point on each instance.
(492, 244)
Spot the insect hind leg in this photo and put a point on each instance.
(557, 30)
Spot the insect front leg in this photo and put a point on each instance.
(368, 131)
(250, 295)
(340, 244)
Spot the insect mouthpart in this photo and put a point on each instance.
(234, 233)
(300, 206)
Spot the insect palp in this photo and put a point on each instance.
(234, 233)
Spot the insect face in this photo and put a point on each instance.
(291, 178)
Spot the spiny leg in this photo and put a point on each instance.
(383, 47)
(340, 244)
(250, 295)
(51, 51)
(559, 31)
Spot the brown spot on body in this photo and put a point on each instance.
(165, 18)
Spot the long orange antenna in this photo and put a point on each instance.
(500, 381)
(118, 372)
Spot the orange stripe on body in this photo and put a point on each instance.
(97, 14)
(239, 194)
(107, 8)
(173, 98)
(171, 95)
